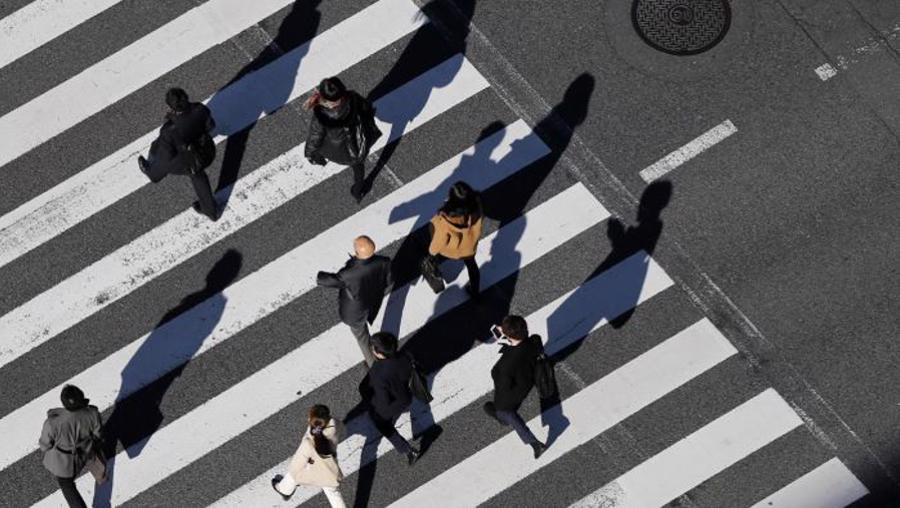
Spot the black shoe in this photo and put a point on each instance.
(358, 192)
(275, 482)
(413, 456)
(196, 206)
(539, 449)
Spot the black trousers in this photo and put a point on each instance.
(70, 492)
(472, 268)
(387, 429)
(204, 193)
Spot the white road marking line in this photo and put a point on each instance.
(126, 71)
(41, 21)
(561, 323)
(830, 485)
(234, 107)
(688, 151)
(157, 251)
(701, 455)
(826, 71)
(278, 283)
(590, 412)
(327, 356)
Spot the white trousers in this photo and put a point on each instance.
(287, 485)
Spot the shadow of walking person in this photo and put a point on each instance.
(136, 414)
(423, 42)
(270, 79)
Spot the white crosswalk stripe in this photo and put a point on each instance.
(234, 107)
(251, 403)
(284, 178)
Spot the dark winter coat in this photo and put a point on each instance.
(363, 284)
(386, 386)
(342, 135)
(67, 439)
(513, 373)
(180, 139)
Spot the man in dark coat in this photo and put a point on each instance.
(341, 130)
(513, 376)
(185, 147)
(386, 389)
(363, 282)
(68, 440)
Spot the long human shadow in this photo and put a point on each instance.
(137, 416)
(623, 294)
(422, 43)
(245, 106)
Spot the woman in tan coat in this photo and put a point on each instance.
(456, 230)
(314, 462)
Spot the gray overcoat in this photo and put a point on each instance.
(67, 439)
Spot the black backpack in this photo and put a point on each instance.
(544, 375)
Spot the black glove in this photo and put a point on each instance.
(316, 159)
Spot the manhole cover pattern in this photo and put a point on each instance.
(681, 27)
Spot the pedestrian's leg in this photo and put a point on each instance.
(204, 194)
(70, 492)
(361, 332)
(388, 430)
(474, 286)
(287, 485)
(334, 497)
(515, 421)
(359, 175)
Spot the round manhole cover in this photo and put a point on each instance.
(681, 27)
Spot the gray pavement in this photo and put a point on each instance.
(783, 235)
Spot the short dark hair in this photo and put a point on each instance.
(73, 398)
(177, 99)
(515, 327)
(385, 344)
(332, 89)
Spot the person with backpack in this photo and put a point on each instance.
(385, 390)
(185, 147)
(314, 463)
(71, 439)
(514, 376)
(455, 232)
(341, 130)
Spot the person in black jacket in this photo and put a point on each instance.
(363, 282)
(386, 389)
(184, 147)
(513, 376)
(341, 130)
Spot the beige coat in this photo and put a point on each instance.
(456, 237)
(308, 468)
(67, 439)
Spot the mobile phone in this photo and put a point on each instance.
(496, 332)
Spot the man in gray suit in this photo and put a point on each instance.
(68, 440)
(363, 282)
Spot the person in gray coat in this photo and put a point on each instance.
(363, 282)
(69, 439)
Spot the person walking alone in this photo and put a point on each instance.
(314, 462)
(455, 232)
(341, 130)
(71, 438)
(185, 147)
(386, 390)
(363, 282)
(513, 376)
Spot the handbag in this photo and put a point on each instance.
(96, 465)
(431, 272)
(418, 382)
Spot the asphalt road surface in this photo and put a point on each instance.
(700, 219)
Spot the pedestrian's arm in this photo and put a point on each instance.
(315, 138)
(439, 239)
(330, 280)
(46, 440)
(97, 427)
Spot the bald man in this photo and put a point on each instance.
(363, 282)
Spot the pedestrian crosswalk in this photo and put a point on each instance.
(240, 397)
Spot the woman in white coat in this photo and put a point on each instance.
(314, 463)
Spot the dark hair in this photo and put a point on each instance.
(462, 199)
(385, 344)
(73, 398)
(515, 327)
(329, 89)
(177, 99)
(319, 417)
